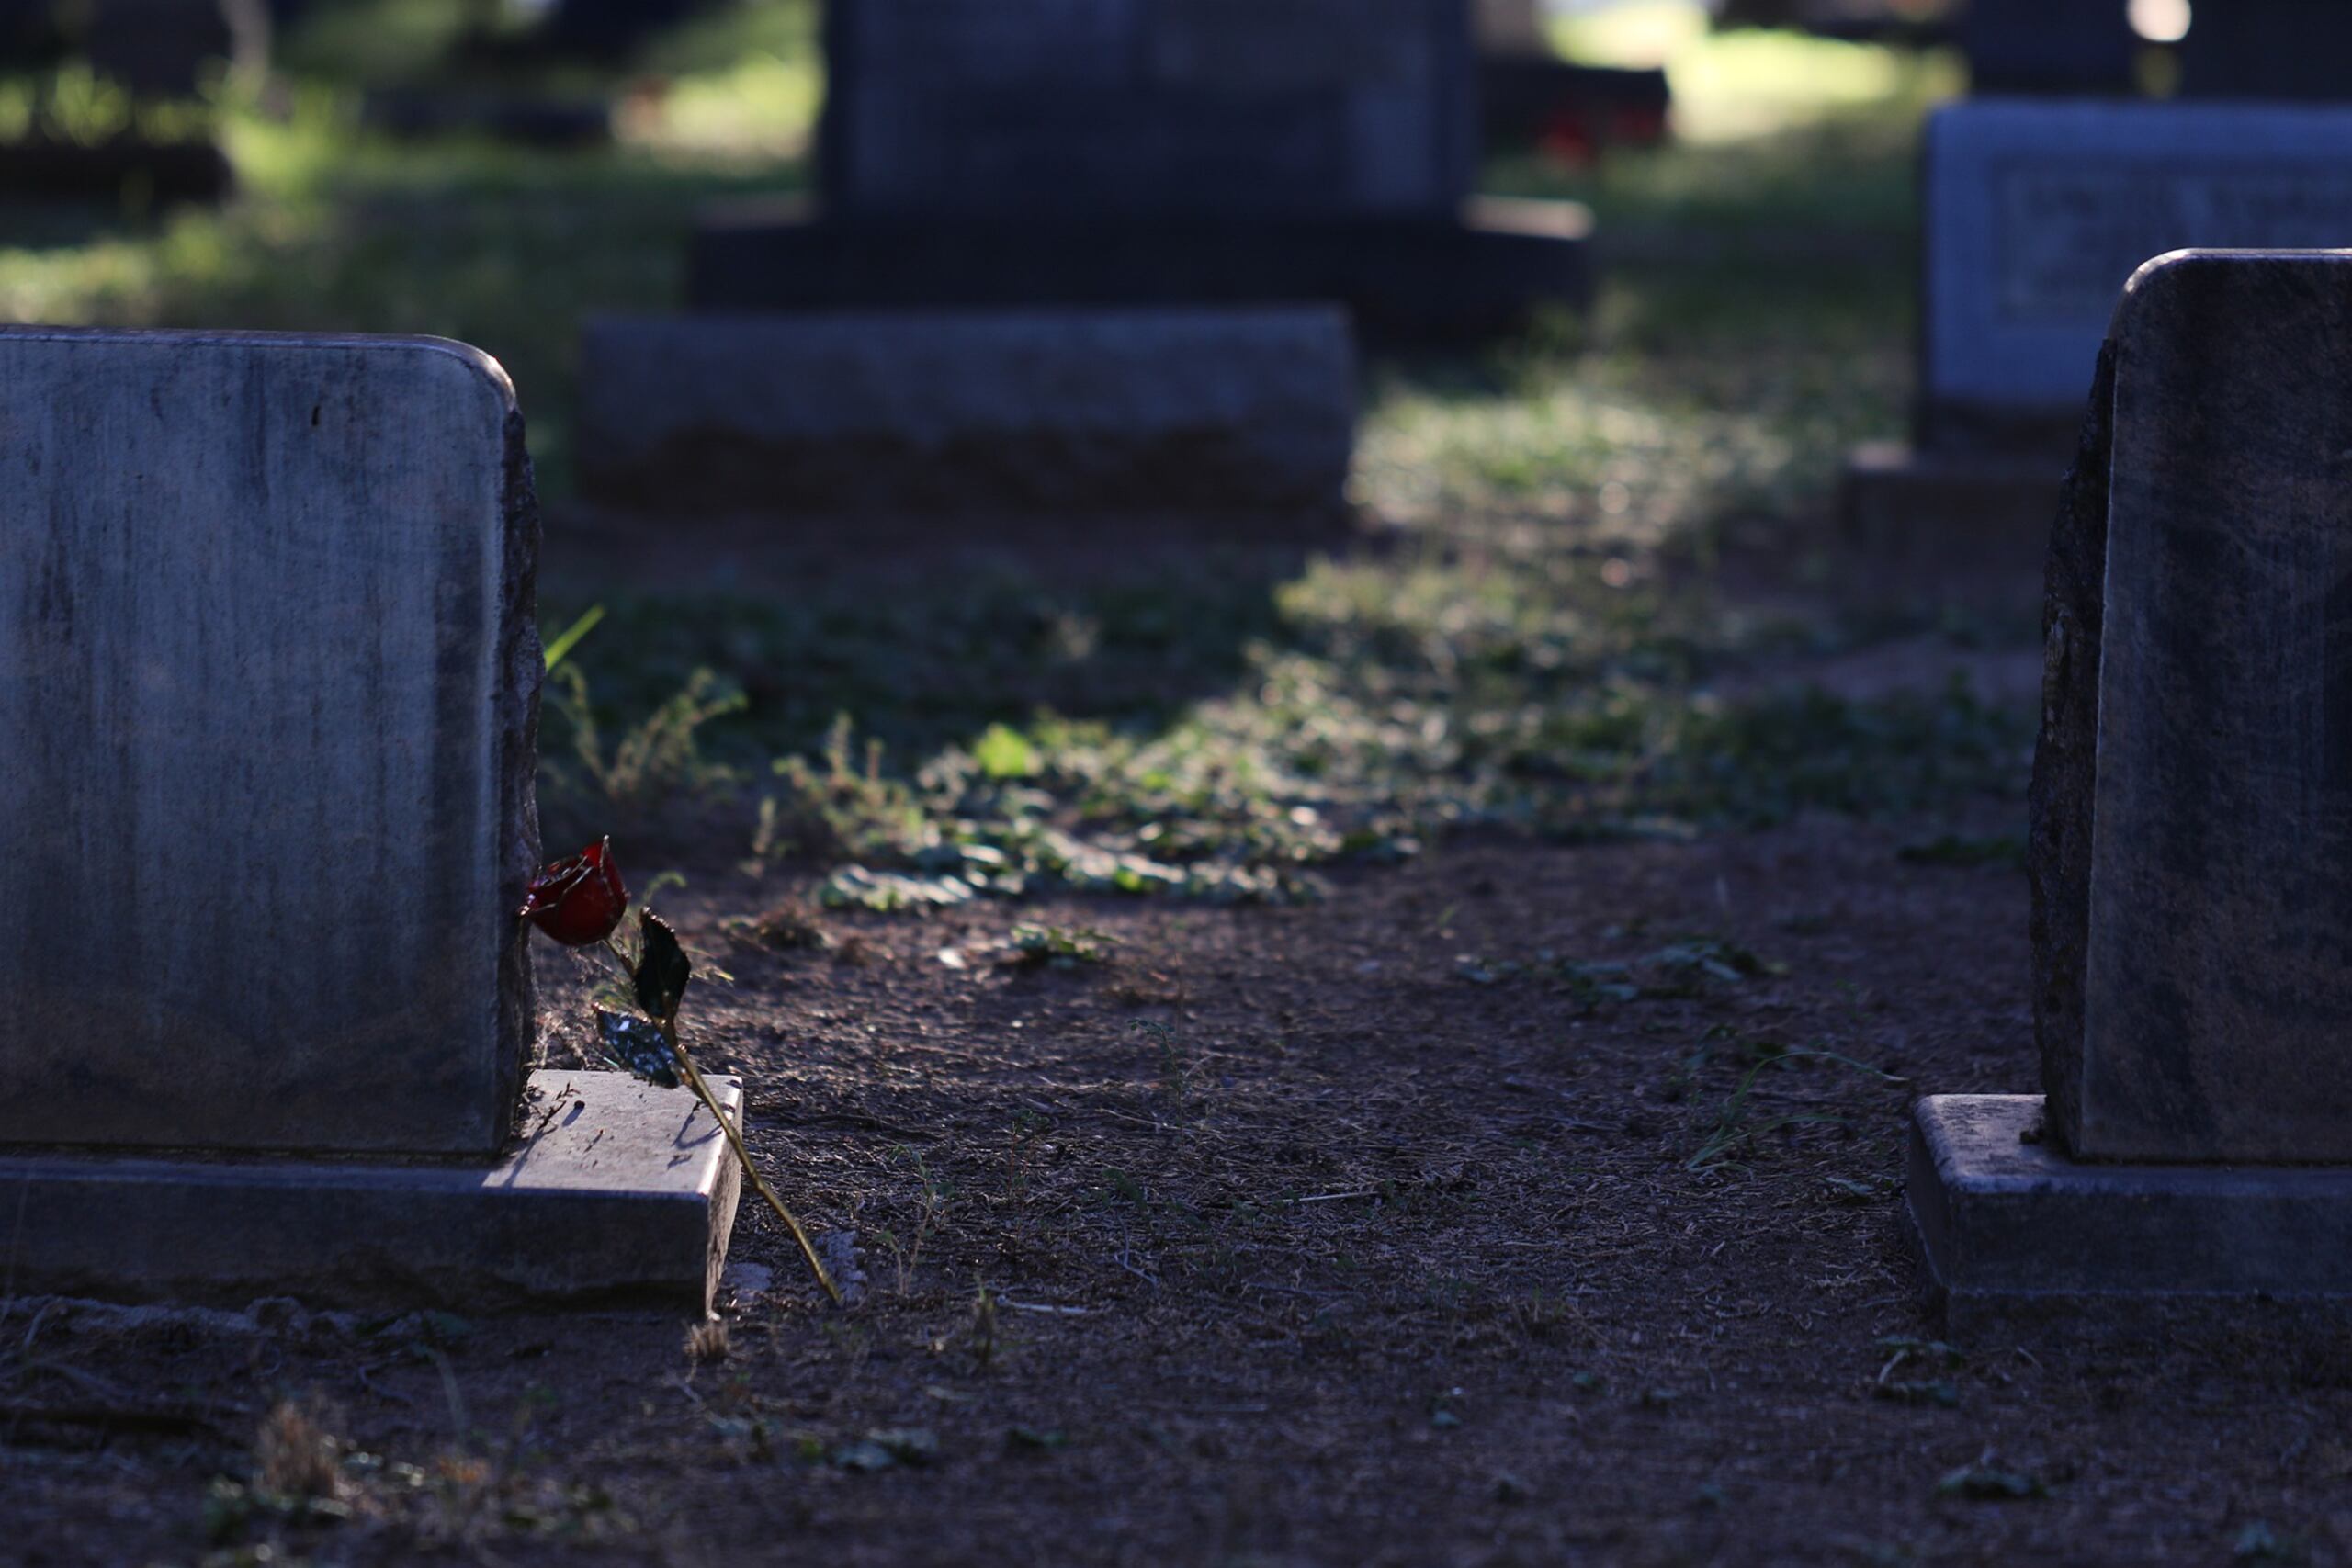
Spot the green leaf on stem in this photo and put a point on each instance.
(636, 1045)
(662, 969)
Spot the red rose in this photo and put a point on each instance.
(578, 901)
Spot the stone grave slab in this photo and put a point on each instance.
(1094, 412)
(2192, 931)
(266, 766)
(2035, 214)
(610, 1190)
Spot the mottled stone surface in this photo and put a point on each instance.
(2036, 213)
(610, 1189)
(1183, 107)
(1479, 273)
(2193, 796)
(1070, 410)
(266, 742)
(2000, 1220)
(2065, 756)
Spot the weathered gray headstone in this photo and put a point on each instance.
(267, 815)
(2195, 805)
(1011, 411)
(2036, 213)
(265, 771)
(2192, 821)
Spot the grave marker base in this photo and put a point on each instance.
(930, 411)
(2007, 1227)
(1404, 279)
(1903, 505)
(614, 1189)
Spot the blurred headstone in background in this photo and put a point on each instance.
(164, 48)
(524, 120)
(2078, 47)
(1210, 107)
(136, 137)
(2036, 213)
(1530, 97)
(28, 34)
(611, 31)
(1139, 152)
(2268, 49)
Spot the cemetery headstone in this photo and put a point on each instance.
(1531, 98)
(165, 46)
(611, 30)
(2192, 816)
(266, 813)
(2268, 48)
(1149, 152)
(2036, 213)
(2072, 47)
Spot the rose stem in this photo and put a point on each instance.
(744, 1156)
(668, 1027)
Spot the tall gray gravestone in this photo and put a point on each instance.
(2036, 213)
(1151, 152)
(267, 815)
(2192, 826)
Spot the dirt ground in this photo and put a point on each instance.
(1386, 1230)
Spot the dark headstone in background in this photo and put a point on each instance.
(421, 112)
(1569, 108)
(2268, 49)
(161, 48)
(611, 30)
(1119, 152)
(941, 107)
(2052, 46)
(1531, 98)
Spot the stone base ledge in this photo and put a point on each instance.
(1903, 505)
(614, 1190)
(876, 413)
(1453, 277)
(2004, 1224)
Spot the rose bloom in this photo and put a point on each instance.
(578, 901)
